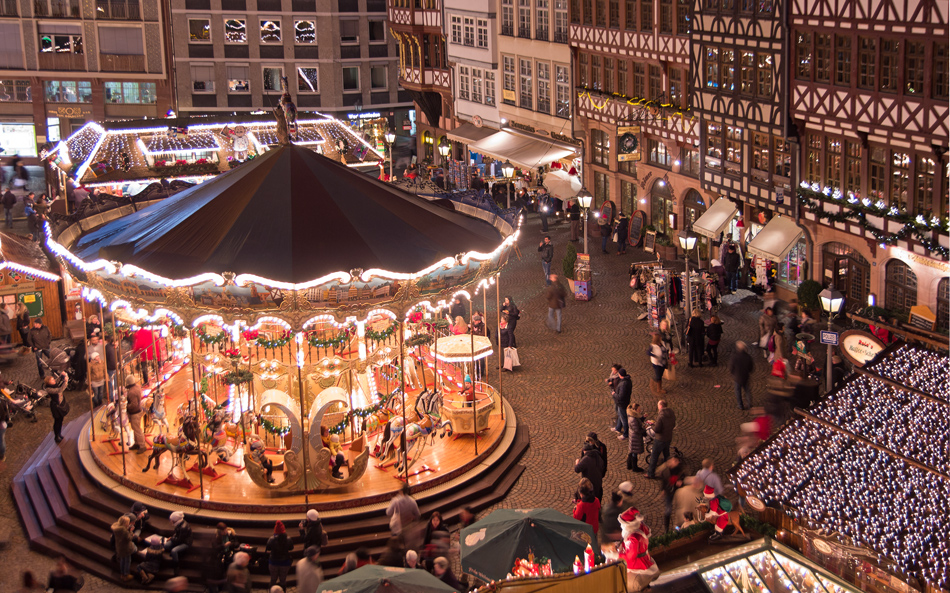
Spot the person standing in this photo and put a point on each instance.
(767, 321)
(605, 227)
(544, 209)
(574, 215)
(659, 357)
(97, 378)
(39, 339)
(111, 365)
(133, 409)
(23, 325)
(279, 563)
(776, 344)
(402, 511)
(714, 335)
(546, 249)
(663, 429)
(635, 420)
(59, 408)
(311, 529)
(622, 395)
(695, 330)
(309, 571)
(509, 308)
(740, 367)
(591, 466)
(601, 448)
(587, 508)
(9, 201)
(621, 232)
(124, 546)
(556, 297)
(732, 262)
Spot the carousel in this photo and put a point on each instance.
(285, 321)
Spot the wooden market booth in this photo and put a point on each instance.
(28, 276)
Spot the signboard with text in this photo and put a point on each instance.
(628, 143)
(860, 347)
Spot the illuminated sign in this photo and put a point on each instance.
(367, 115)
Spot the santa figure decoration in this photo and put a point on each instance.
(719, 507)
(641, 569)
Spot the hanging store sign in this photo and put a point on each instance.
(628, 143)
(860, 347)
(76, 111)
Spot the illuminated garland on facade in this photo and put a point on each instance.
(339, 340)
(209, 339)
(383, 335)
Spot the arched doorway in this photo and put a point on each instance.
(848, 270)
(661, 206)
(900, 286)
(694, 207)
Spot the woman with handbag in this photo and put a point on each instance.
(509, 308)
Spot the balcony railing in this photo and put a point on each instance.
(63, 8)
(117, 10)
(541, 33)
(508, 29)
(560, 36)
(61, 61)
(8, 8)
(117, 63)
(524, 32)
(544, 106)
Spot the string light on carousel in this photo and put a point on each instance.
(288, 350)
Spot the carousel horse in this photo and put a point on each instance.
(181, 447)
(156, 412)
(115, 424)
(220, 435)
(414, 436)
(379, 419)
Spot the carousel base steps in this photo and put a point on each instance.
(65, 511)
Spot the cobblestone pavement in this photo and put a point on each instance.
(558, 391)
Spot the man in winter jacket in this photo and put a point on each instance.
(546, 249)
(621, 395)
(9, 201)
(732, 261)
(309, 571)
(591, 466)
(39, 339)
(133, 407)
(740, 367)
(574, 215)
(663, 428)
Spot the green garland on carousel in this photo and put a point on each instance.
(275, 343)
(237, 377)
(339, 340)
(271, 427)
(857, 211)
(383, 335)
(208, 339)
(419, 340)
(361, 413)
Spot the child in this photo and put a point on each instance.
(97, 378)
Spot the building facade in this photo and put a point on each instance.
(632, 63)
(337, 55)
(869, 98)
(472, 45)
(65, 62)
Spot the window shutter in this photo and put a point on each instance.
(122, 41)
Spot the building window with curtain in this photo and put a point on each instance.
(900, 179)
(527, 98)
(509, 92)
(833, 162)
(900, 286)
(657, 153)
(924, 186)
(544, 87)
(600, 148)
(239, 79)
(202, 78)
(464, 83)
(601, 187)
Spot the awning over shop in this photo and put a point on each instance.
(715, 219)
(469, 133)
(776, 239)
(520, 150)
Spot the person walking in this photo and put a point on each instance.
(732, 262)
(767, 321)
(776, 344)
(635, 420)
(133, 409)
(9, 201)
(311, 529)
(709, 477)
(6, 326)
(124, 546)
(59, 408)
(556, 297)
(717, 268)
(671, 479)
(309, 571)
(713, 335)
(402, 511)
(605, 229)
(39, 339)
(591, 466)
(621, 233)
(23, 325)
(574, 215)
(695, 332)
(659, 357)
(546, 249)
(663, 429)
(621, 396)
(740, 367)
(62, 579)
(279, 563)
(509, 308)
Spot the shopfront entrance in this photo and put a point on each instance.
(848, 270)
(661, 206)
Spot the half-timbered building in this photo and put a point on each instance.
(868, 95)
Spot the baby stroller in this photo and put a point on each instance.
(711, 297)
(18, 403)
(648, 442)
(62, 361)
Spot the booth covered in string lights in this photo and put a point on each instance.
(307, 300)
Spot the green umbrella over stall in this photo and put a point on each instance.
(385, 579)
(491, 546)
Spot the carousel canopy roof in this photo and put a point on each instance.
(291, 215)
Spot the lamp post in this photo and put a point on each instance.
(508, 170)
(584, 199)
(831, 302)
(444, 149)
(390, 137)
(687, 242)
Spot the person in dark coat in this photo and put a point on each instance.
(458, 309)
(574, 215)
(605, 231)
(280, 547)
(622, 225)
(635, 419)
(732, 262)
(713, 335)
(509, 308)
(23, 325)
(39, 339)
(442, 570)
(59, 409)
(395, 553)
(695, 332)
(720, 272)
(601, 448)
(740, 367)
(505, 338)
(663, 429)
(556, 297)
(591, 466)
(621, 395)
(311, 529)
(609, 519)
(9, 201)
(671, 478)
(152, 564)
(546, 249)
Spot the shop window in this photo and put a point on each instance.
(272, 78)
(791, 271)
(270, 31)
(235, 31)
(600, 145)
(658, 153)
(305, 32)
(15, 91)
(308, 79)
(199, 30)
(601, 188)
(900, 286)
(943, 304)
(19, 139)
(68, 91)
(847, 270)
(661, 206)
(130, 93)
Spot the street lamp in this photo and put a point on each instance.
(444, 149)
(687, 242)
(584, 199)
(508, 170)
(390, 137)
(831, 302)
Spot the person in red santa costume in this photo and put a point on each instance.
(719, 507)
(641, 569)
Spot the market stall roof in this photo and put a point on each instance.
(20, 254)
(469, 133)
(521, 150)
(715, 219)
(291, 215)
(776, 239)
